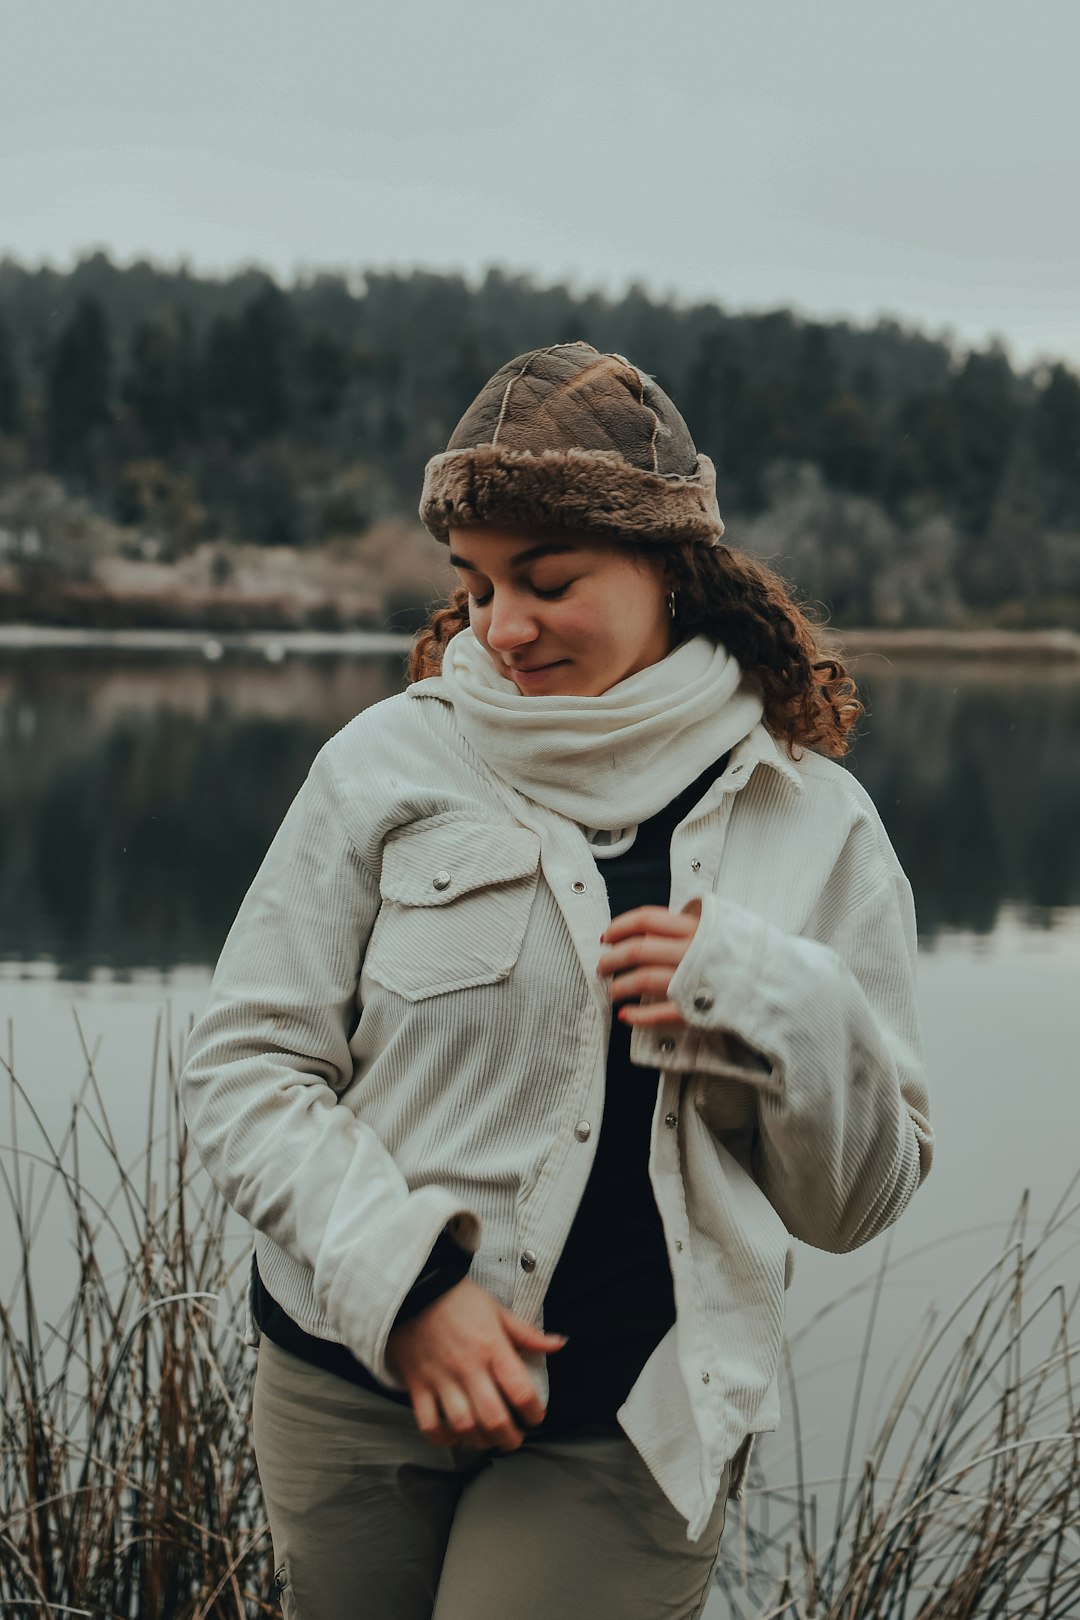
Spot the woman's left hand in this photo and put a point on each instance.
(644, 947)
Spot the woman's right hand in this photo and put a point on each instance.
(459, 1360)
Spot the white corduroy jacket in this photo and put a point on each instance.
(407, 1033)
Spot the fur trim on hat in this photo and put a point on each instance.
(595, 491)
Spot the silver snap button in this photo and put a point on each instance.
(528, 1260)
(671, 1120)
(702, 1001)
(583, 1130)
(695, 866)
(578, 887)
(441, 880)
(704, 1378)
(667, 1046)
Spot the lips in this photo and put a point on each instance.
(535, 676)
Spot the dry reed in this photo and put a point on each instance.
(128, 1485)
(127, 1480)
(966, 1502)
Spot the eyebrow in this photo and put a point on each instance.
(546, 548)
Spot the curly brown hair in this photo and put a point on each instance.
(810, 700)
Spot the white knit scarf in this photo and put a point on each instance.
(606, 762)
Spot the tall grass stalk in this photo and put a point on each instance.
(966, 1501)
(127, 1481)
(128, 1485)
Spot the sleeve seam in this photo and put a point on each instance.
(327, 757)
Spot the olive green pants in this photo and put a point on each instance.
(370, 1522)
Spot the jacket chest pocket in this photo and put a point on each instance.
(455, 904)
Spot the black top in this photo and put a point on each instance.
(612, 1292)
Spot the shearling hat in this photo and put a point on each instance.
(569, 438)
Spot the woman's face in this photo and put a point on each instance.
(560, 614)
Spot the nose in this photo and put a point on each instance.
(509, 622)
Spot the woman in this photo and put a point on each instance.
(519, 1263)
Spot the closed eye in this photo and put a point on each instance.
(546, 596)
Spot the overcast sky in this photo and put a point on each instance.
(843, 157)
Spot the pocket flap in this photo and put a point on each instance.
(434, 865)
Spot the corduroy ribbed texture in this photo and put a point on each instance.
(406, 1027)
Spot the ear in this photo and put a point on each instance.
(668, 581)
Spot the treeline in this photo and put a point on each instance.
(897, 479)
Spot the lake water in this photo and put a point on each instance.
(137, 797)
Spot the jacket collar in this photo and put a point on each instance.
(761, 748)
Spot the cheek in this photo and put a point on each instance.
(633, 622)
(579, 622)
(594, 627)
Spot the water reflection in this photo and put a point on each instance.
(137, 797)
(977, 777)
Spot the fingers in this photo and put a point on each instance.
(451, 1415)
(651, 920)
(528, 1337)
(429, 1418)
(642, 966)
(642, 948)
(511, 1372)
(645, 946)
(494, 1424)
(641, 982)
(633, 942)
(484, 1413)
(516, 1386)
(654, 1014)
(426, 1413)
(461, 1360)
(476, 1415)
(457, 1410)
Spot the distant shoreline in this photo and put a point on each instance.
(1059, 646)
(272, 645)
(1055, 645)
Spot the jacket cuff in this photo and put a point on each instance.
(715, 988)
(447, 1265)
(362, 1287)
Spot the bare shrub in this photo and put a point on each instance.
(966, 1499)
(127, 1479)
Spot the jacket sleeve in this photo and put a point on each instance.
(815, 1046)
(265, 1067)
